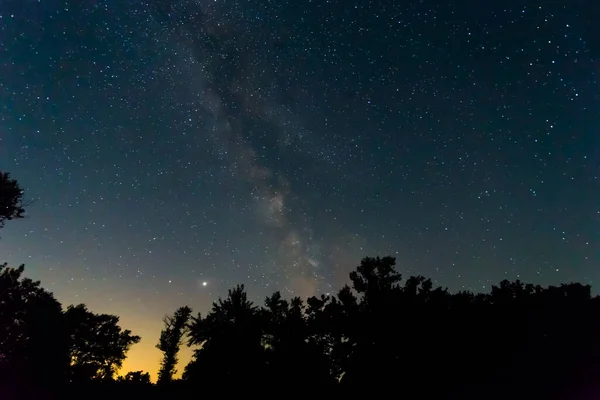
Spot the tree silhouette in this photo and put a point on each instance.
(291, 356)
(32, 345)
(170, 341)
(135, 377)
(372, 335)
(229, 341)
(375, 279)
(97, 344)
(11, 199)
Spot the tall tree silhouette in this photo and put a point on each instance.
(11, 199)
(333, 323)
(170, 341)
(97, 344)
(291, 356)
(372, 333)
(229, 341)
(32, 342)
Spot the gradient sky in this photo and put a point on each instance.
(177, 148)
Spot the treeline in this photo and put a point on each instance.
(383, 335)
(379, 336)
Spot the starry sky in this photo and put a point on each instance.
(175, 148)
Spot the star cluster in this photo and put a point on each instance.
(176, 148)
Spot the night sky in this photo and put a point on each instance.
(176, 148)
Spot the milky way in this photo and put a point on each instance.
(177, 148)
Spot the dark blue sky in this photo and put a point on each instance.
(177, 148)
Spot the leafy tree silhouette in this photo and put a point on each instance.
(372, 336)
(135, 377)
(291, 356)
(32, 344)
(97, 344)
(229, 341)
(170, 341)
(375, 279)
(12, 205)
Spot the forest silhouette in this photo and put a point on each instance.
(380, 336)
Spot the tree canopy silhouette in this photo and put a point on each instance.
(32, 344)
(230, 332)
(97, 344)
(12, 205)
(291, 354)
(135, 377)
